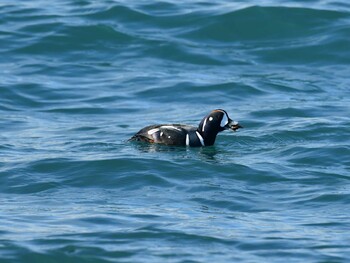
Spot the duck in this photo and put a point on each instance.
(185, 135)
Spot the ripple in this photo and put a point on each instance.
(292, 23)
(120, 12)
(80, 77)
(76, 38)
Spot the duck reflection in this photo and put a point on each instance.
(206, 153)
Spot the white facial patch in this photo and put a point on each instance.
(224, 120)
(150, 132)
(210, 118)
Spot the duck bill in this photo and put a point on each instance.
(233, 125)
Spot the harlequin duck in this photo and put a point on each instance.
(179, 134)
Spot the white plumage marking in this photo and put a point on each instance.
(200, 138)
(210, 118)
(150, 132)
(205, 122)
(187, 139)
(161, 133)
(224, 120)
(170, 127)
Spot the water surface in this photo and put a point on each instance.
(78, 78)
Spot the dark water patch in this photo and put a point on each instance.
(42, 28)
(7, 107)
(77, 38)
(285, 85)
(274, 23)
(338, 198)
(68, 253)
(230, 90)
(34, 187)
(184, 54)
(35, 96)
(112, 173)
(23, 98)
(328, 155)
(187, 91)
(101, 99)
(16, 179)
(312, 53)
(285, 112)
(162, 8)
(124, 252)
(119, 13)
(78, 110)
(24, 12)
(172, 21)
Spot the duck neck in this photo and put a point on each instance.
(208, 137)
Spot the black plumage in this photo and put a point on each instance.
(180, 134)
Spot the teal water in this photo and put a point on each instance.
(78, 78)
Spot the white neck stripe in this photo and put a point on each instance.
(200, 138)
(187, 139)
(204, 123)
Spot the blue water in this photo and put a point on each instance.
(78, 78)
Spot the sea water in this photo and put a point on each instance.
(78, 78)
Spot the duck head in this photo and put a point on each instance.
(215, 122)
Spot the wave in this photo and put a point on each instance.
(261, 23)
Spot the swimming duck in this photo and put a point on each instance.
(185, 135)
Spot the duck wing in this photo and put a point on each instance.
(169, 134)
